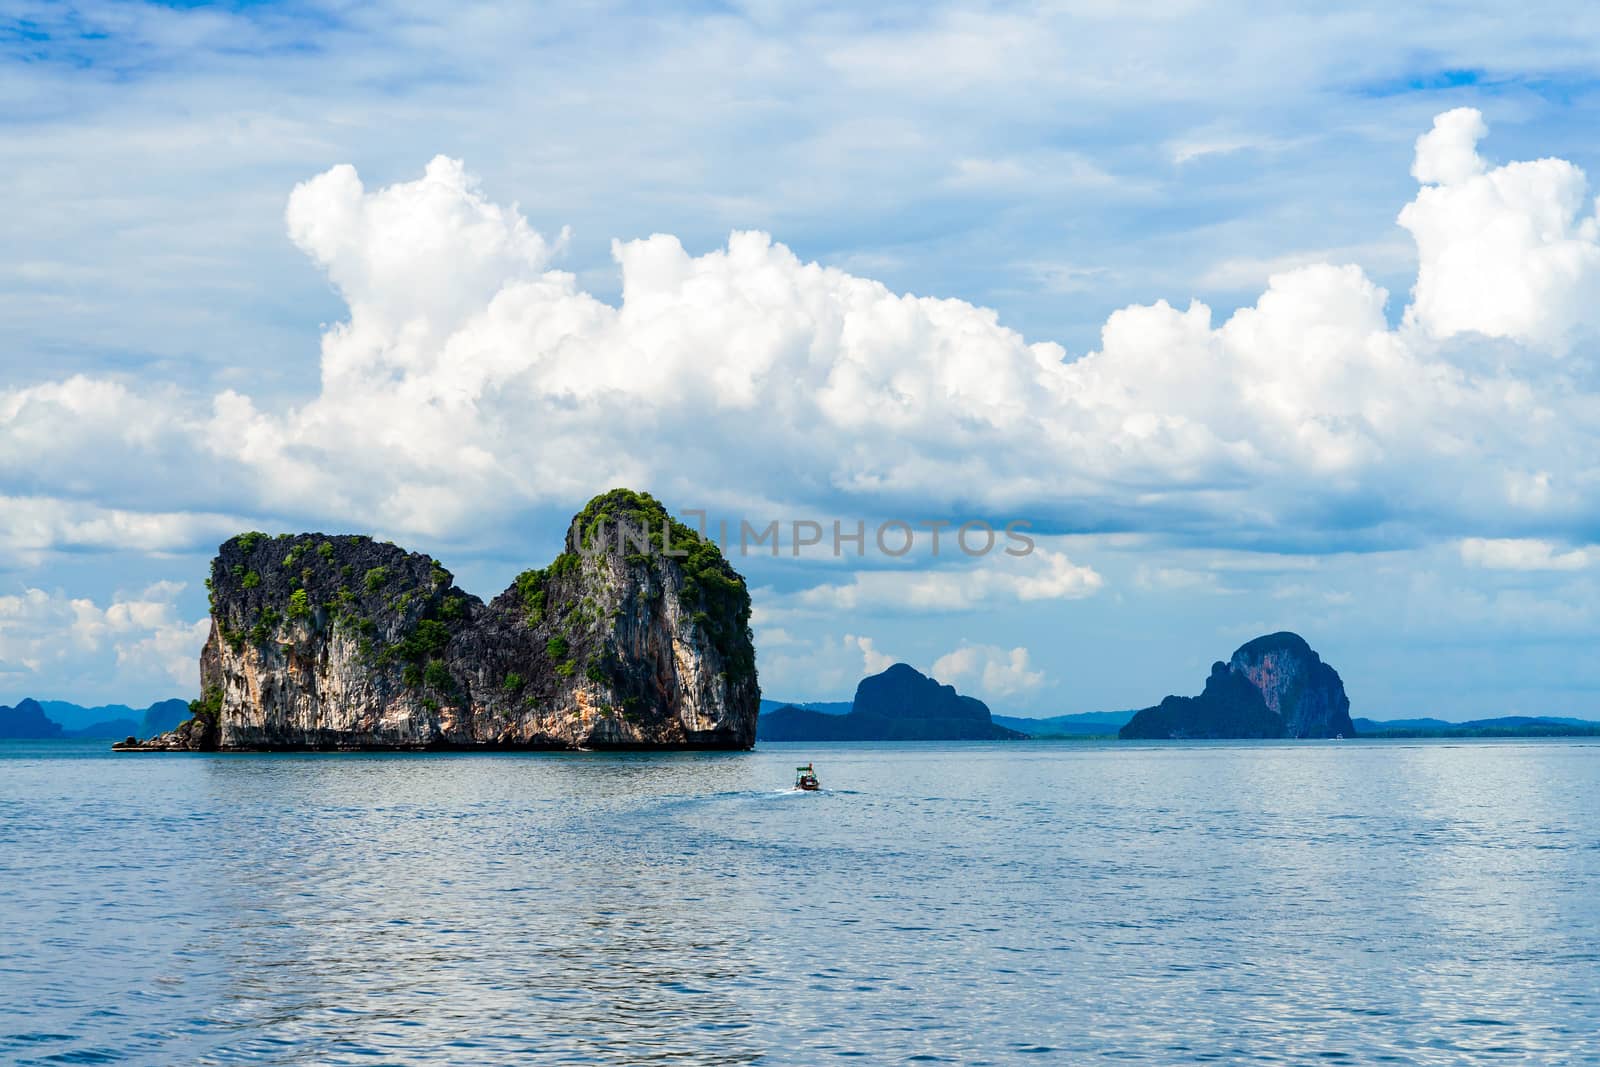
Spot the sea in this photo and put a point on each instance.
(1414, 902)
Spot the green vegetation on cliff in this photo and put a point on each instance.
(711, 590)
(208, 707)
(636, 633)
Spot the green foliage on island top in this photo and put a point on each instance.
(712, 591)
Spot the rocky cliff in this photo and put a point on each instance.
(899, 704)
(1296, 685)
(637, 635)
(1228, 707)
(1273, 686)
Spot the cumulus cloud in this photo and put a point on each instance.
(1523, 554)
(826, 667)
(471, 382)
(1512, 251)
(32, 527)
(996, 671)
(129, 644)
(872, 660)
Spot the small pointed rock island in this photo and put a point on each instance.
(1273, 686)
(637, 636)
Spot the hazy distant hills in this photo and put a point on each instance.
(1107, 723)
(1083, 724)
(47, 719)
(821, 707)
(1505, 726)
(899, 704)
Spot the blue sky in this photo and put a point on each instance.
(442, 272)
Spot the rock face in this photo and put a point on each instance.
(198, 734)
(1229, 707)
(636, 636)
(1273, 686)
(900, 704)
(1296, 685)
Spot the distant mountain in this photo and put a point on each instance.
(1082, 724)
(1369, 726)
(826, 707)
(27, 720)
(900, 704)
(1230, 707)
(110, 730)
(162, 716)
(77, 717)
(1505, 726)
(116, 721)
(1273, 686)
(49, 719)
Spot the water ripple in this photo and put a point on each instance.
(1267, 903)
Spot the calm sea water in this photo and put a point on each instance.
(1418, 902)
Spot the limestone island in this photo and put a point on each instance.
(1274, 686)
(899, 704)
(636, 636)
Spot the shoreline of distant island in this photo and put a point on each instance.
(60, 720)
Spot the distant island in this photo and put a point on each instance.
(899, 704)
(1505, 726)
(59, 719)
(636, 636)
(825, 707)
(1273, 686)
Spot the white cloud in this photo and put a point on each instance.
(1041, 575)
(1219, 142)
(33, 527)
(1510, 252)
(133, 642)
(997, 671)
(872, 660)
(827, 667)
(1523, 554)
(774, 637)
(471, 383)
